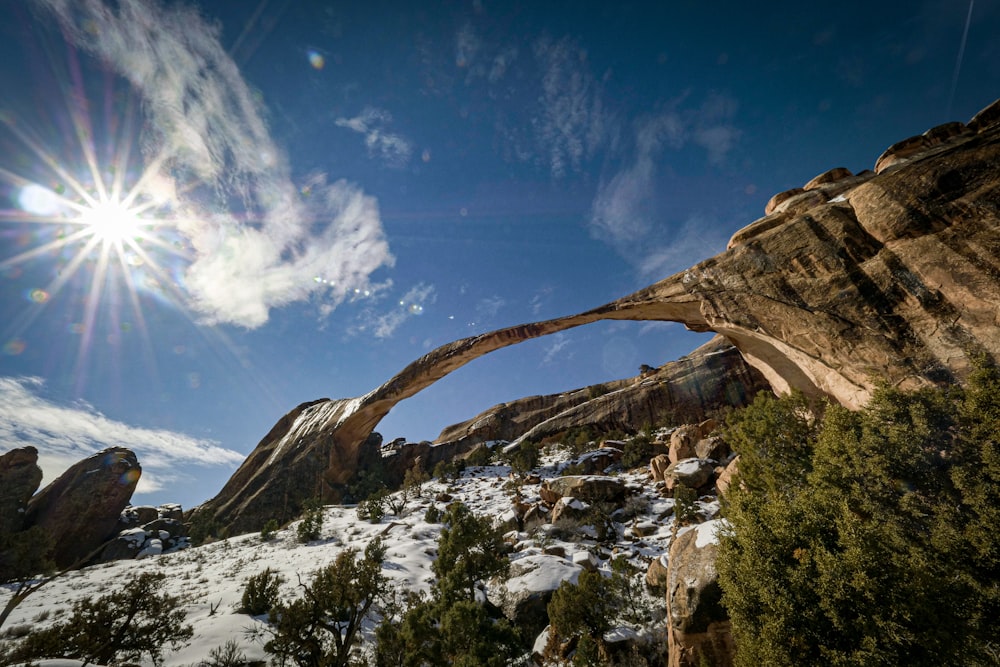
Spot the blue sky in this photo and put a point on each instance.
(326, 191)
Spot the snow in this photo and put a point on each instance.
(209, 579)
(536, 573)
(688, 466)
(708, 533)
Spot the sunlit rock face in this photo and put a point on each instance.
(81, 507)
(894, 275)
(711, 377)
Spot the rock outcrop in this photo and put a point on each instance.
(713, 376)
(698, 629)
(80, 509)
(19, 479)
(892, 275)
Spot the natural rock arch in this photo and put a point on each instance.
(894, 275)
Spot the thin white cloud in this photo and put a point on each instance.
(384, 325)
(621, 212)
(625, 213)
(488, 308)
(571, 122)
(65, 435)
(391, 148)
(204, 121)
(557, 343)
(697, 237)
(713, 127)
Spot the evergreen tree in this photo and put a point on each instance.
(863, 538)
(320, 628)
(118, 627)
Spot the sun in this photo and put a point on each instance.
(112, 222)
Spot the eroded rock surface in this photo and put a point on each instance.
(80, 509)
(893, 275)
(698, 629)
(19, 479)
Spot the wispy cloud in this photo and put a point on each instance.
(372, 123)
(205, 121)
(557, 343)
(64, 435)
(384, 324)
(697, 237)
(621, 212)
(487, 309)
(572, 118)
(626, 212)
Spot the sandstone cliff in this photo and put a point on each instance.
(892, 274)
(711, 377)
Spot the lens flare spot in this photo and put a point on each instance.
(316, 59)
(38, 296)
(130, 477)
(194, 380)
(416, 309)
(76, 328)
(14, 347)
(39, 200)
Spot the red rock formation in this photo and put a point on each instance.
(80, 509)
(894, 275)
(19, 479)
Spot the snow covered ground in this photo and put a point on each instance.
(210, 578)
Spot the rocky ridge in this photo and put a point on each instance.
(890, 274)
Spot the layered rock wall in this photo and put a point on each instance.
(892, 276)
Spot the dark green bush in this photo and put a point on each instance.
(260, 593)
(120, 627)
(310, 528)
(869, 537)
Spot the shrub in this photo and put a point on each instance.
(637, 452)
(115, 628)
(260, 593)
(414, 480)
(453, 627)
(372, 508)
(433, 514)
(525, 458)
(862, 537)
(310, 528)
(227, 655)
(321, 627)
(449, 470)
(480, 456)
(267, 532)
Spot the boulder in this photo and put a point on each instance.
(588, 488)
(829, 176)
(712, 447)
(656, 573)
(124, 547)
(723, 482)
(684, 439)
(569, 507)
(777, 200)
(19, 479)
(693, 473)
(81, 508)
(658, 466)
(597, 461)
(698, 629)
(526, 593)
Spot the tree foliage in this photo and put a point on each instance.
(320, 628)
(121, 626)
(869, 537)
(453, 626)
